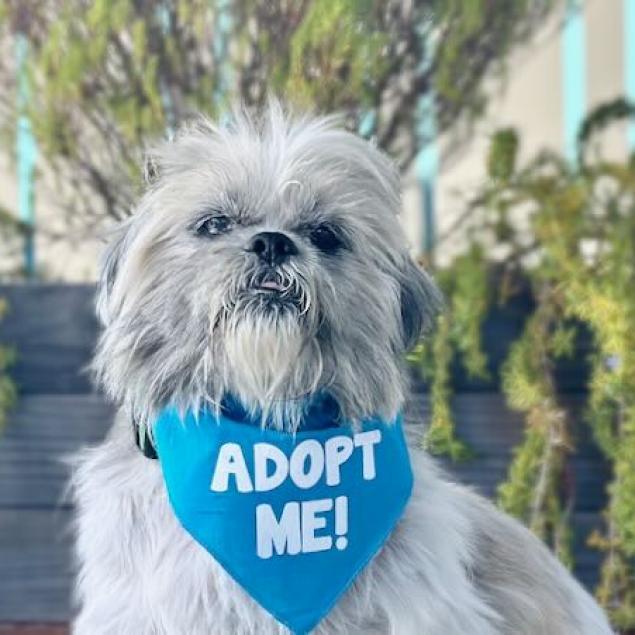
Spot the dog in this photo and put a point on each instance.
(265, 260)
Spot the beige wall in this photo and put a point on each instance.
(61, 252)
(530, 99)
(605, 65)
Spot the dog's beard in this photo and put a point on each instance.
(268, 333)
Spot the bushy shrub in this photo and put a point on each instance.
(568, 233)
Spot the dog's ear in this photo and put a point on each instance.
(118, 241)
(110, 265)
(421, 302)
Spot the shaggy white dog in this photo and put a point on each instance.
(191, 313)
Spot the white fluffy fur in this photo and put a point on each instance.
(179, 327)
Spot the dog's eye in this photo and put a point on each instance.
(325, 238)
(213, 225)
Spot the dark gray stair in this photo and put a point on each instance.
(42, 430)
(35, 513)
(53, 328)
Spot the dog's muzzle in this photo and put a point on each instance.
(272, 289)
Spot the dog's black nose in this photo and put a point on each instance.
(273, 247)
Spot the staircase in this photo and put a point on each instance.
(53, 330)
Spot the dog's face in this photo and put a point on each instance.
(265, 261)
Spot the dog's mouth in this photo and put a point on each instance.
(269, 286)
(274, 289)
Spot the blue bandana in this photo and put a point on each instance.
(292, 518)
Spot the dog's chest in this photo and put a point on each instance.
(142, 573)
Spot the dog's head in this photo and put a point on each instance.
(266, 261)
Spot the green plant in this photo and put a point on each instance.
(458, 332)
(567, 232)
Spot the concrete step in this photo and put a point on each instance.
(41, 430)
(53, 329)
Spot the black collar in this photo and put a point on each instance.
(325, 410)
(145, 446)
